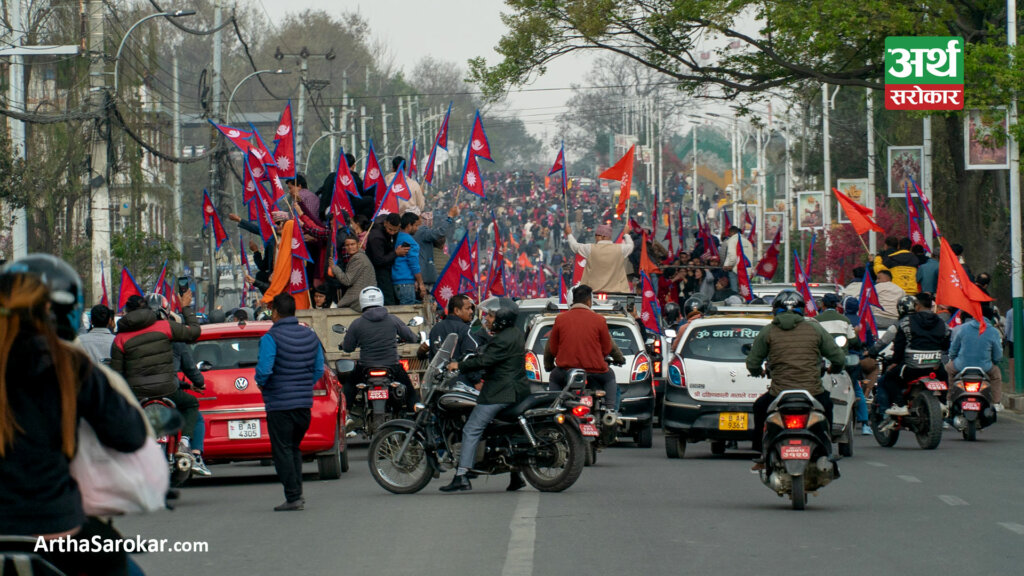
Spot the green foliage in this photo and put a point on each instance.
(143, 254)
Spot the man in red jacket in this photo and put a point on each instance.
(580, 339)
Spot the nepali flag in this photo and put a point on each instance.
(541, 280)
(752, 235)
(810, 255)
(344, 186)
(728, 220)
(450, 279)
(244, 256)
(563, 296)
(478, 144)
(412, 172)
(440, 141)
(916, 235)
(650, 312)
(373, 177)
(927, 209)
(128, 288)
(284, 151)
(158, 287)
(804, 288)
(668, 239)
(868, 294)
(210, 216)
(770, 263)
(911, 207)
(259, 211)
(237, 136)
(172, 296)
(297, 279)
(471, 176)
(474, 255)
(389, 202)
(399, 185)
(264, 172)
(248, 182)
(559, 166)
(867, 329)
(261, 150)
(103, 283)
(299, 249)
(743, 279)
(579, 265)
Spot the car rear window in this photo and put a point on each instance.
(720, 343)
(621, 335)
(227, 353)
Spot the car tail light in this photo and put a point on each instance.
(405, 364)
(378, 373)
(657, 366)
(532, 367)
(676, 376)
(580, 411)
(972, 386)
(641, 368)
(656, 348)
(793, 421)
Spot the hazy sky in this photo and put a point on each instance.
(456, 30)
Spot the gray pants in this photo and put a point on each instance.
(478, 420)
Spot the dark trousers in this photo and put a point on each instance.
(896, 379)
(386, 286)
(761, 414)
(189, 408)
(286, 428)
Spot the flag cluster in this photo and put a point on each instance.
(478, 147)
(458, 275)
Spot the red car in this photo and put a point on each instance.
(232, 405)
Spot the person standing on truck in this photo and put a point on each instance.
(382, 252)
(605, 270)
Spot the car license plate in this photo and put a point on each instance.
(732, 421)
(589, 430)
(243, 429)
(795, 452)
(378, 394)
(972, 406)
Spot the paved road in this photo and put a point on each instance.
(956, 510)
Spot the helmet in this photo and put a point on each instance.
(369, 297)
(66, 293)
(671, 312)
(505, 312)
(158, 303)
(906, 305)
(695, 304)
(789, 301)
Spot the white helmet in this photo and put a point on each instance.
(370, 296)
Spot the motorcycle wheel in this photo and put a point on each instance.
(929, 416)
(971, 431)
(798, 496)
(886, 439)
(560, 460)
(408, 476)
(591, 458)
(675, 446)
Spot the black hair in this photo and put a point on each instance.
(240, 315)
(905, 244)
(409, 218)
(350, 160)
(134, 302)
(925, 299)
(858, 273)
(300, 180)
(958, 249)
(734, 229)
(892, 242)
(582, 293)
(886, 272)
(457, 301)
(100, 316)
(393, 219)
(284, 305)
(362, 221)
(917, 249)
(397, 162)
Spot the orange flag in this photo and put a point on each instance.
(623, 172)
(859, 216)
(955, 289)
(281, 276)
(646, 265)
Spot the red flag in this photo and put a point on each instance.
(399, 186)
(373, 178)
(389, 202)
(172, 296)
(474, 257)
(623, 172)
(859, 216)
(560, 167)
(297, 280)
(563, 296)
(158, 286)
(752, 235)
(955, 289)
(259, 211)
(428, 171)
(103, 282)
(471, 176)
(868, 294)
(127, 289)
(770, 263)
(867, 330)
(646, 265)
(804, 288)
(210, 215)
(911, 207)
(284, 152)
(248, 182)
(478, 144)
(440, 141)
(261, 150)
(238, 137)
(344, 186)
(412, 172)
(579, 265)
(450, 279)
(671, 245)
(495, 285)
(299, 249)
(916, 236)
(650, 314)
(742, 278)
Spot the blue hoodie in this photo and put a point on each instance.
(972, 349)
(405, 268)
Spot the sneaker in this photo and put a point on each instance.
(185, 445)
(998, 406)
(199, 467)
(299, 504)
(946, 426)
(897, 411)
(865, 430)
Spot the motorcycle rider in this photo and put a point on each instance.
(183, 362)
(837, 324)
(580, 339)
(793, 347)
(984, 350)
(503, 361)
(920, 331)
(376, 334)
(142, 352)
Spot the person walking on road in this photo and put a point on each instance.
(291, 360)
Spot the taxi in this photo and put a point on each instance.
(232, 405)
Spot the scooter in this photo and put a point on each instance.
(970, 402)
(179, 463)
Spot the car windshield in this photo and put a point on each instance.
(227, 353)
(621, 335)
(719, 343)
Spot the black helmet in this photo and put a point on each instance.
(906, 305)
(671, 312)
(694, 304)
(789, 301)
(66, 293)
(505, 312)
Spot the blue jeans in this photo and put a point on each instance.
(199, 434)
(734, 281)
(406, 293)
(862, 402)
(478, 420)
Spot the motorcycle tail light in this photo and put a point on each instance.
(676, 376)
(972, 386)
(378, 373)
(580, 411)
(932, 375)
(657, 367)
(794, 421)
(532, 367)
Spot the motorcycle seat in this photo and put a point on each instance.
(972, 373)
(532, 401)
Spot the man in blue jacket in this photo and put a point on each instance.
(405, 272)
(291, 360)
(984, 351)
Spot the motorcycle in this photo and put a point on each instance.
(379, 397)
(970, 402)
(179, 463)
(539, 436)
(844, 403)
(600, 426)
(797, 447)
(921, 396)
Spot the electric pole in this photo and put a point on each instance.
(99, 176)
(300, 127)
(216, 161)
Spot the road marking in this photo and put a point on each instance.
(877, 464)
(910, 479)
(1013, 527)
(519, 558)
(953, 500)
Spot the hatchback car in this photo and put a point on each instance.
(232, 405)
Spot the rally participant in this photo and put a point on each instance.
(837, 324)
(503, 361)
(457, 321)
(984, 350)
(606, 262)
(98, 339)
(902, 264)
(793, 347)
(920, 331)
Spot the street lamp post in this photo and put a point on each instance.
(311, 146)
(231, 98)
(117, 58)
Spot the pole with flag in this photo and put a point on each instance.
(104, 300)
(623, 172)
(559, 166)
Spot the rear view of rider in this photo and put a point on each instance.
(376, 334)
(920, 331)
(580, 339)
(793, 347)
(143, 354)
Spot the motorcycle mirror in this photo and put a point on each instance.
(745, 349)
(338, 328)
(416, 321)
(204, 366)
(344, 366)
(670, 334)
(163, 419)
(840, 340)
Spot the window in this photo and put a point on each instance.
(227, 353)
(720, 343)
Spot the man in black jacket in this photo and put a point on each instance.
(457, 321)
(503, 361)
(919, 334)
(381, 250)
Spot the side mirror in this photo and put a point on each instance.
(670, 334)
(338, 329)
(746, 348)
(649, 343)
(204, 366)
(163, 419)
(840, 340)
(416, 321)
(344, 366)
